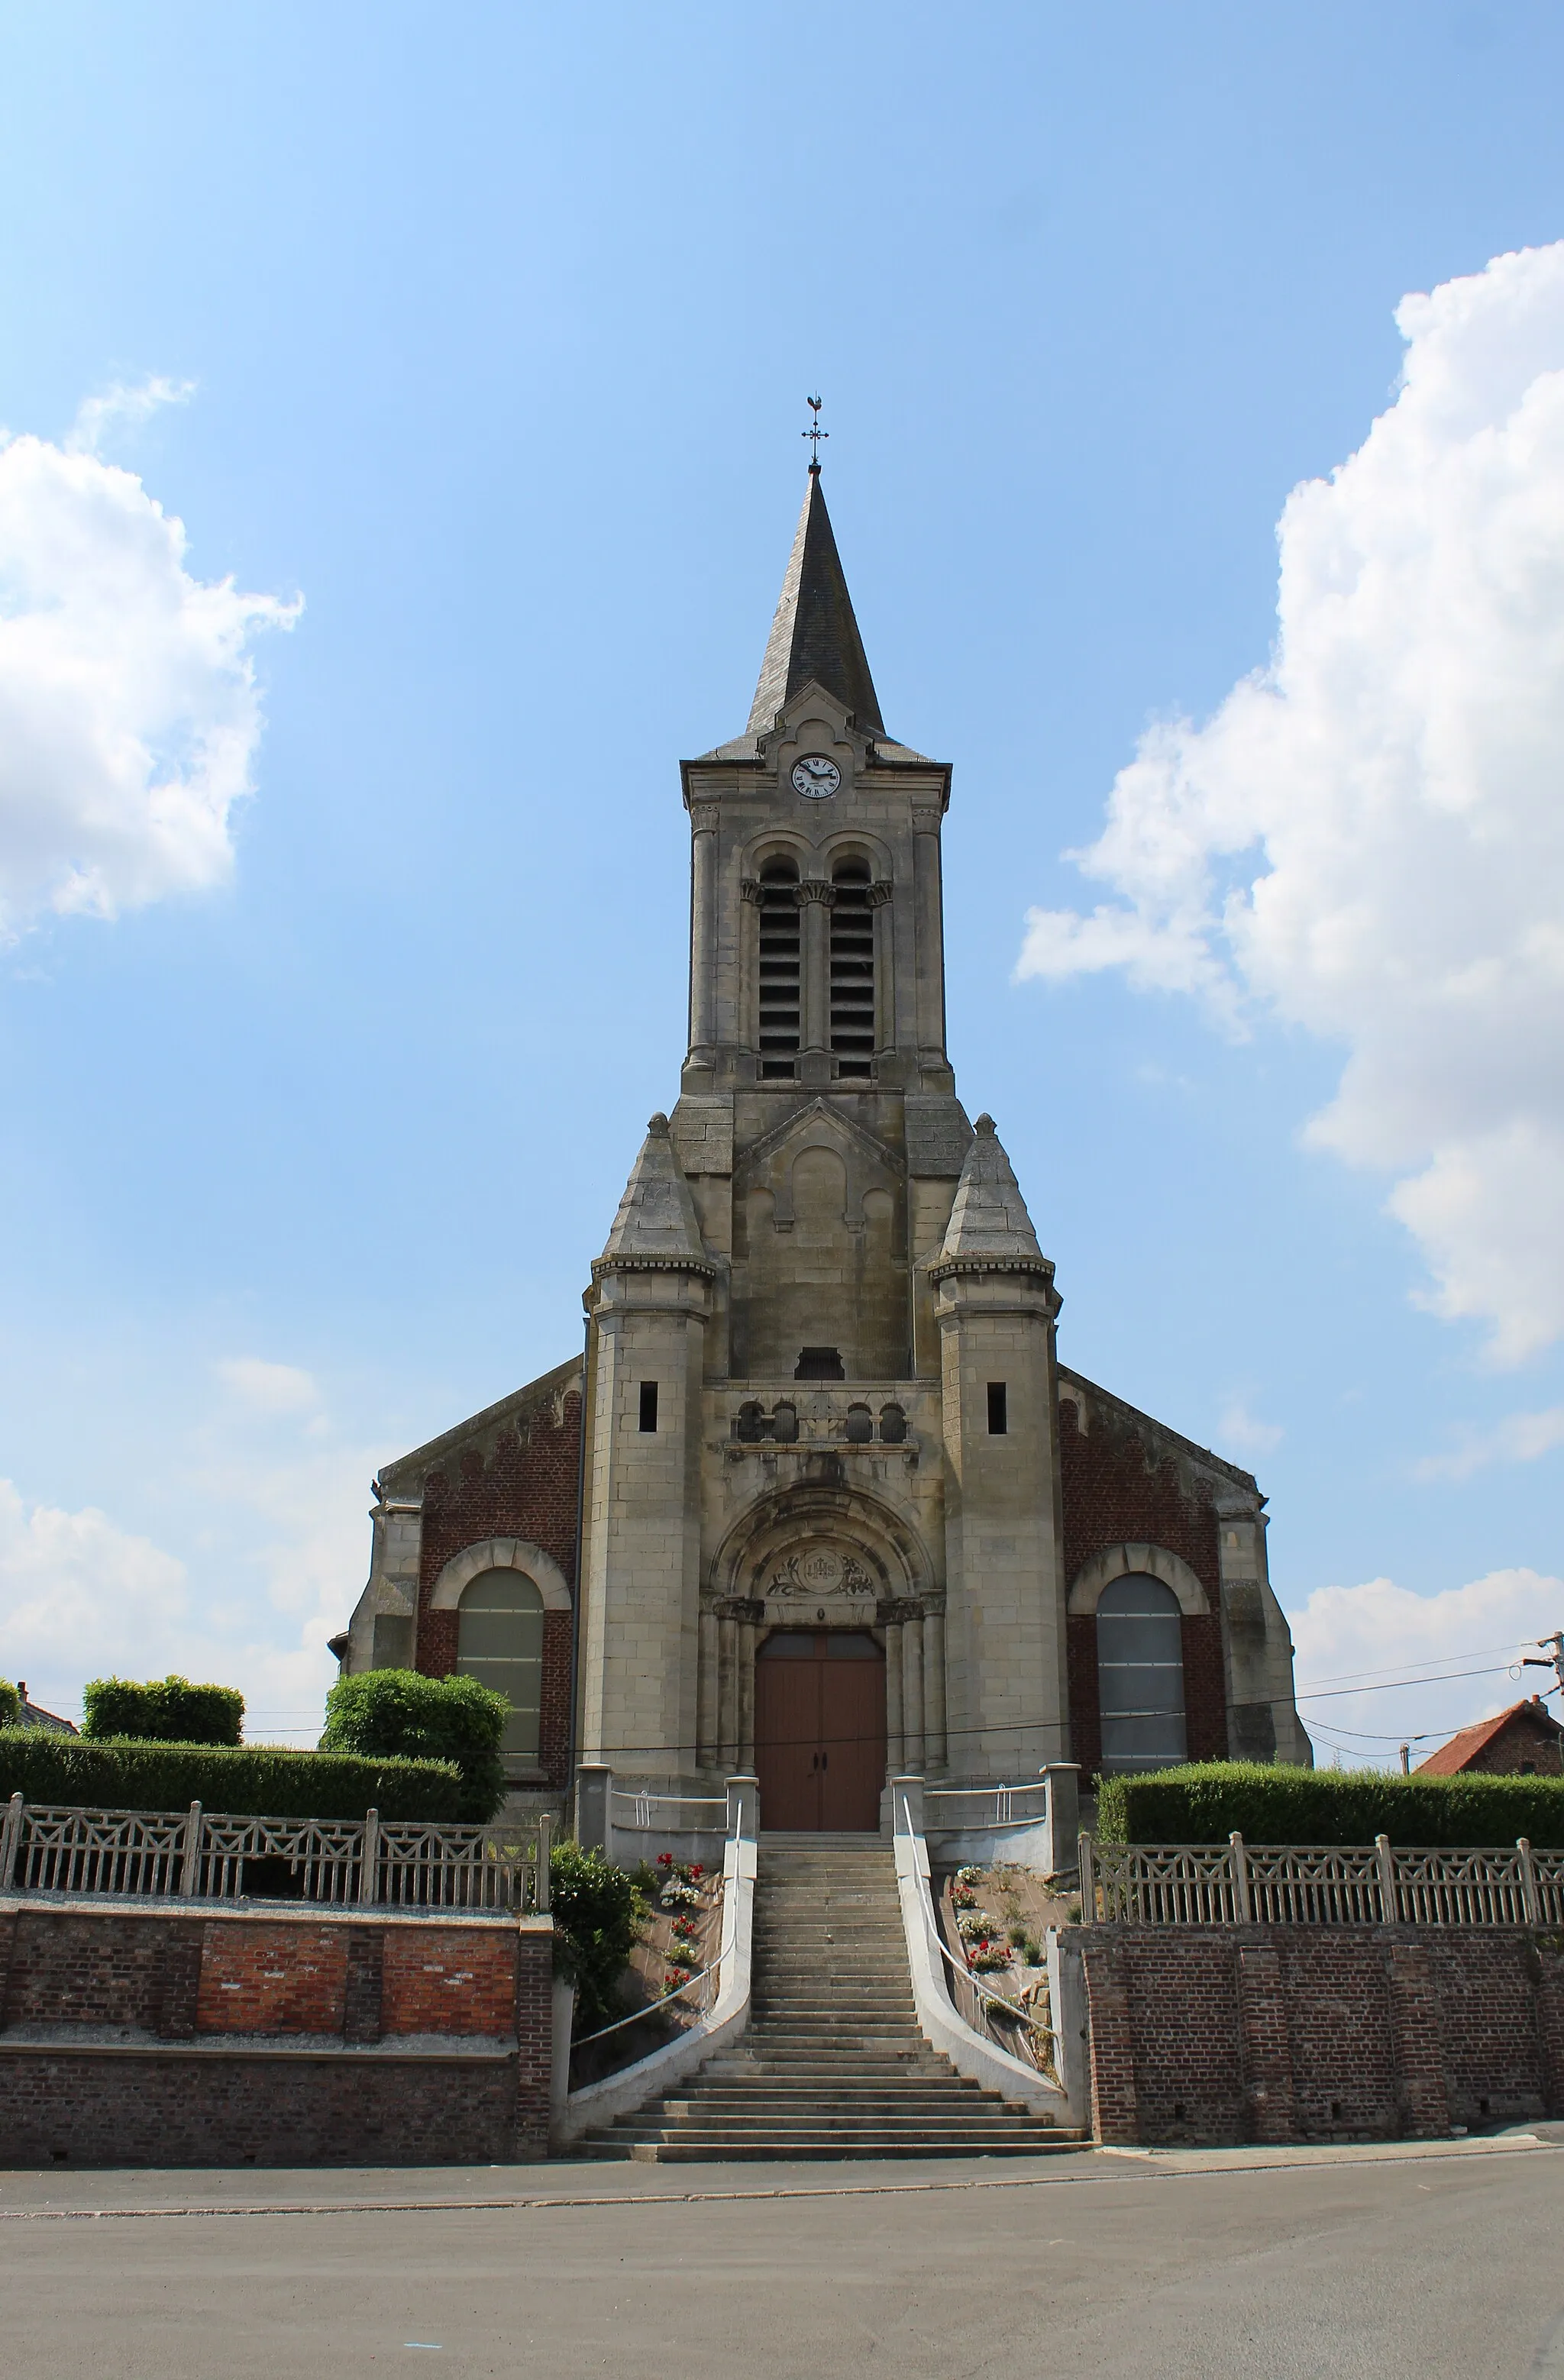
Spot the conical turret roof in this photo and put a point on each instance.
(657, 1224)
(815, 634)
(989, 1229)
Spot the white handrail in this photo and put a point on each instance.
(724, 1951)
(996, 1999)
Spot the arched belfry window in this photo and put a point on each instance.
(500, 1643)
(780, 923)
(852, 968)
(1140, 1674)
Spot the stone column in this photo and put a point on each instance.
(912, 1692)
(930, 956)
(747, 1688)
(884, 968)
(895, 1748)
(707, 1723)
(746, 1028)
(816, 899)
(935, 1755)
(727, 1691)
(703, 926)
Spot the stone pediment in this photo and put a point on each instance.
(819, 1124)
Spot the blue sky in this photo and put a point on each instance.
(487, 332)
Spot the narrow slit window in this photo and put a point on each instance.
(998, 1410)
(649, 1404)
(777, 1002)
(852, 968)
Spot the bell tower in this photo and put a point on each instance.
(817, 1120)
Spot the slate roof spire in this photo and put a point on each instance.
(815, 634)
(989, 1230)
(655, 1228)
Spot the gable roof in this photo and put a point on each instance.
(1461, 1750)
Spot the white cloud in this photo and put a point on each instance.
(1368, 838)
(273, 1548)
(1245, 1432)
(72, 1583)
(269, 1388)
(130, 719)
(1519, 1438)
(1352, 1640)
(123, 406)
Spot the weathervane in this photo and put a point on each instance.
(814, 434)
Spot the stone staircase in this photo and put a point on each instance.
(832, 2063)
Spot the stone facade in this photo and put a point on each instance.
(821, 1387)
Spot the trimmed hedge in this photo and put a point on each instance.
(400, 1714)
(163, 1710)
(249, 1781)
(1208, 1800)
(596, 1911)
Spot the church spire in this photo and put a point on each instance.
(814, 634)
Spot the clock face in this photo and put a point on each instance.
(816, 777)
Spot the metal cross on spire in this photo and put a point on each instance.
(814, 434)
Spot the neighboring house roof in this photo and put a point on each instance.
(1462, 1750)
(32, 1715)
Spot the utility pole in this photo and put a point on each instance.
(1553, 1649)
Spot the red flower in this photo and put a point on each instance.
(664, 1859)
(696, 1870)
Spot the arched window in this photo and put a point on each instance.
(779, 924)
(1140, 1674)
(500, 1643)
(852, 968)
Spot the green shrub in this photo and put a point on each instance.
(1208, 1801)
(399, 1713)
(597, 1913)
(10, 1703)
(163, 1710)
(249, 1781)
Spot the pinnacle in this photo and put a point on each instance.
(989, 1226)
(657, 1223)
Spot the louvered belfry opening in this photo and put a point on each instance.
(852, 968)
(780, 923)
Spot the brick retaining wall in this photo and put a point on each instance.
(151, 2035)
(1233, 2033)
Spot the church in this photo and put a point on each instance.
(818, 1500)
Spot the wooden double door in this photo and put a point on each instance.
(819, 1729)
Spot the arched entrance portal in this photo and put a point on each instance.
(819, 1729)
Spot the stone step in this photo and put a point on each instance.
(826, 2148)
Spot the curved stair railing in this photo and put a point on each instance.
(575, 2113)
(970, 2052)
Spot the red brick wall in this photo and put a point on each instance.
(448, 1979)
(1112, 1495)
(1225, 2034)
(290, 1978)
(250, 1986)
(526, 1486)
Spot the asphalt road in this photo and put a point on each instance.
(1433, 2263)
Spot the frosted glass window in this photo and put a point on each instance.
(1140, 1674)
(500, 1643)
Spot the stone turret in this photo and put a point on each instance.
(995, 1307)
(650, 1304)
